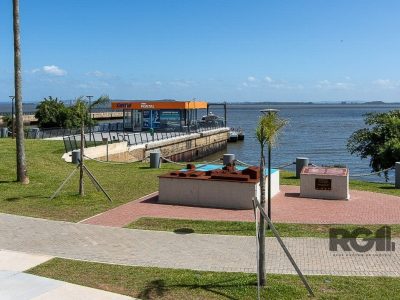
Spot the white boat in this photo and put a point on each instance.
(233, 136)
(210, 118)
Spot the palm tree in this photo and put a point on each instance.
(82, 111)
(21, 162)
(269, 126)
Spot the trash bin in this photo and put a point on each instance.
(301, 162)
(155, 162)
(76, 156)
(228, 159)
(4, 132)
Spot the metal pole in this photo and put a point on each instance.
(225, 113)
(90, 116)
(282, 244)
(12, 116)
(269, 182)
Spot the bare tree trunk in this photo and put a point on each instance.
(261, 230)
(21, 163)
(81, 188)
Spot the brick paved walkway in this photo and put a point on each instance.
(191, 251)
(287, 207)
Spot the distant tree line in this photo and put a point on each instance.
(52, 112)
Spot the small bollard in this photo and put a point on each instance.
(4, 132)
(76, 156)
(397, 175)
(155, 161)
(301, 162)
(228, 159)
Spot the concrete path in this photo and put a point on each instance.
(16, 285)
(287, 207)
(191, 251)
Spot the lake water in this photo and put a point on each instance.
(319, 132)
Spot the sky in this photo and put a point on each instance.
(213, 50)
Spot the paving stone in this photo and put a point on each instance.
(287, 207)
(191, 251)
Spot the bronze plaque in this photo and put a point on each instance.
(323, 184)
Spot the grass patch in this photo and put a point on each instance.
(124, 183)
(47, 171)
(289, 178)
(245, 228)
(156, 283)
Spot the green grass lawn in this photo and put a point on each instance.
(156, 283)
(47, 171)
(124, 183)
(245, 228)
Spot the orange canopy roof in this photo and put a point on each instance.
(150, 105)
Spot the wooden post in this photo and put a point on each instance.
(81, 188)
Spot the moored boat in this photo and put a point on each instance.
(240, 134)
(233, 136)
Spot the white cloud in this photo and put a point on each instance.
(95, 74)
(158, 82)
(50, 70)
(268, 82)
(99, 85)
(101, 74)
(268, 79)
(387, 83)
(329, 85)
(54, 70)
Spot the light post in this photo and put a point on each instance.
(90, 116)
(269, 111)
(12, 116)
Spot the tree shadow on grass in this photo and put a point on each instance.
(184, 230)
(160, 288)
(15, 199)
(7, 181)
(289, 177)
(387, 187)
(155, 286)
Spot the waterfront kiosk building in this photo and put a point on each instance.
(162, 115)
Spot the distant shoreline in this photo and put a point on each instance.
(30, 107)
(259, 102)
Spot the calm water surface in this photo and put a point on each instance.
(319, 132)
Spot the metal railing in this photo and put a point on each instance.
(99, 135)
